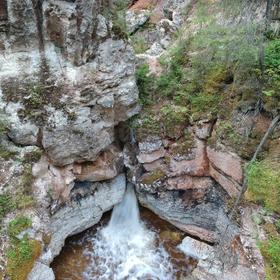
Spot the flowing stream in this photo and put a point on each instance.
(125, 249)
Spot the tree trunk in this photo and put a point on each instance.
(258, 150)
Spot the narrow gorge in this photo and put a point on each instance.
(128, 139)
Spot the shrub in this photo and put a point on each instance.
(272, 54)
(117, 15)
(145, 83)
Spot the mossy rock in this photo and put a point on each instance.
(21, 258)
(150, 178)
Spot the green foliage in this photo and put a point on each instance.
(35, 100)
(271, 94)
(271, 252)
(22, 198)
(139, 44)
(272, 54)
(264, 185)
(6, 205)
(170, 82)
(22, 252)
(3, 125)
(17, 225)
(117, 15)
(21, 257)
(175, 118)
(225, 131)
(145, 83)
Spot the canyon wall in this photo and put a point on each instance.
(67, 92)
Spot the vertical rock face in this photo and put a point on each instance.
(65, 81)
(3, 10)
(77, 28)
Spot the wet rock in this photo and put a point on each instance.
(204, 218)
(82, 214)
(196, 249)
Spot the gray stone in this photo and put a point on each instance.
(83, 214)
(134, 20)
(41, 271)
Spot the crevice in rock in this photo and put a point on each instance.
(38, 12)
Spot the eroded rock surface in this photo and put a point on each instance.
(68, 96)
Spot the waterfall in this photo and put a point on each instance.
(126, 248)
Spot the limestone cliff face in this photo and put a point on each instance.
(67, 84)
(65, 80)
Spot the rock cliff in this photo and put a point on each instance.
(70, 142)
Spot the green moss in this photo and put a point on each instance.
(6, 154)
(146, 125)
(175, 118)
(17, 225)
(153, 176)
(264, 185)
(226, 132)
(27, 179)
(3, 125)
(6, 205)
(117, 16)
(33, 156)
(271, 252)
(21, 257)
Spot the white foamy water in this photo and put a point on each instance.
(126, 249)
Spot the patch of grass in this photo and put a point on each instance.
(6, 154)
(17, 225)
(139, 44)
(21, 257)
(6, 205)
(35, 100)
(271, 252)
(264, 185)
